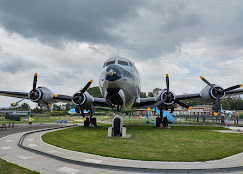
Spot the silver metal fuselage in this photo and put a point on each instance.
(120, 84)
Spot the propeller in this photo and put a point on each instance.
(34, 93)
(79, 97)
(169, 97)
(218, 92)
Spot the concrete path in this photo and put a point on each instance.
(39, 156)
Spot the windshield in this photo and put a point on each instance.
(123, 62)
(111, 62)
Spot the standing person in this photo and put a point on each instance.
(30, 121)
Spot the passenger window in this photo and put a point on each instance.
(111, 62)
(122, 62)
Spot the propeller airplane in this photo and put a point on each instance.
(120, 87)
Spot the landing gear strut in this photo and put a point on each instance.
(162, 120)
(117, 128)
(88, 119)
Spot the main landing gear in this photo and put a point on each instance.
(88, 120)
(162, 120)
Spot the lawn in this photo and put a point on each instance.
(7, 168)
(180, 143)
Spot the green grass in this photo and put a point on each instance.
(7, 168)
(180, 143)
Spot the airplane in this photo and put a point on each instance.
(226, 111)
(120, 87)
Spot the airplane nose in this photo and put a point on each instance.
(113, 73)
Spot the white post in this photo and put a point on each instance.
(110, 132)
(124, 132)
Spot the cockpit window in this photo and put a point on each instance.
(111, 62)
(130, 63)
(122, 62)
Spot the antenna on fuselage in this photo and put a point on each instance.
(117, 52)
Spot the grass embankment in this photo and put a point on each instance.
(180, 143)
(7, 168)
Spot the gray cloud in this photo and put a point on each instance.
(67, 42)
(145, 29)
(83, 21)
(13, 65)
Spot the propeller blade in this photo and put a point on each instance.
(34, 81)
(207, 82)
(86, 87)
(81, 109)
(182, 104)
(216, 107)
(46, 103)
(157, 103)
(167, 84)
(20, 100)
(233, 87)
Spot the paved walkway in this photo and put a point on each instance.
(36, 155)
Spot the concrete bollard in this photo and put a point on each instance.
(124, 132)
(110, 132)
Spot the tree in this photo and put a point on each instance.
(95, 92)
(156, 91)
(56, 107)
(24, 106)
(143, 95)
(69, 106)
(37, 110)
(150, 94)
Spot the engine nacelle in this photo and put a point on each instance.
(85, 100)
(41, 94)
(208, 94)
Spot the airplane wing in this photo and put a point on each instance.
(14, 94)
(234, 92)
(57, 98)
(65, 98)
(152, 100)
(185, 97)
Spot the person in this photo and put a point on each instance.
(30, 121)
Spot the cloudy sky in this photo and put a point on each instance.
(67, 42)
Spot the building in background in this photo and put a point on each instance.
(196, 110)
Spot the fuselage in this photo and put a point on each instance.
(120, 82)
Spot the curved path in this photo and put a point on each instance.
(28, 150)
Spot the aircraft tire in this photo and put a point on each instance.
(158, 121)
(117, 129)
(165, 122)
(86, 123)
(93, 121)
